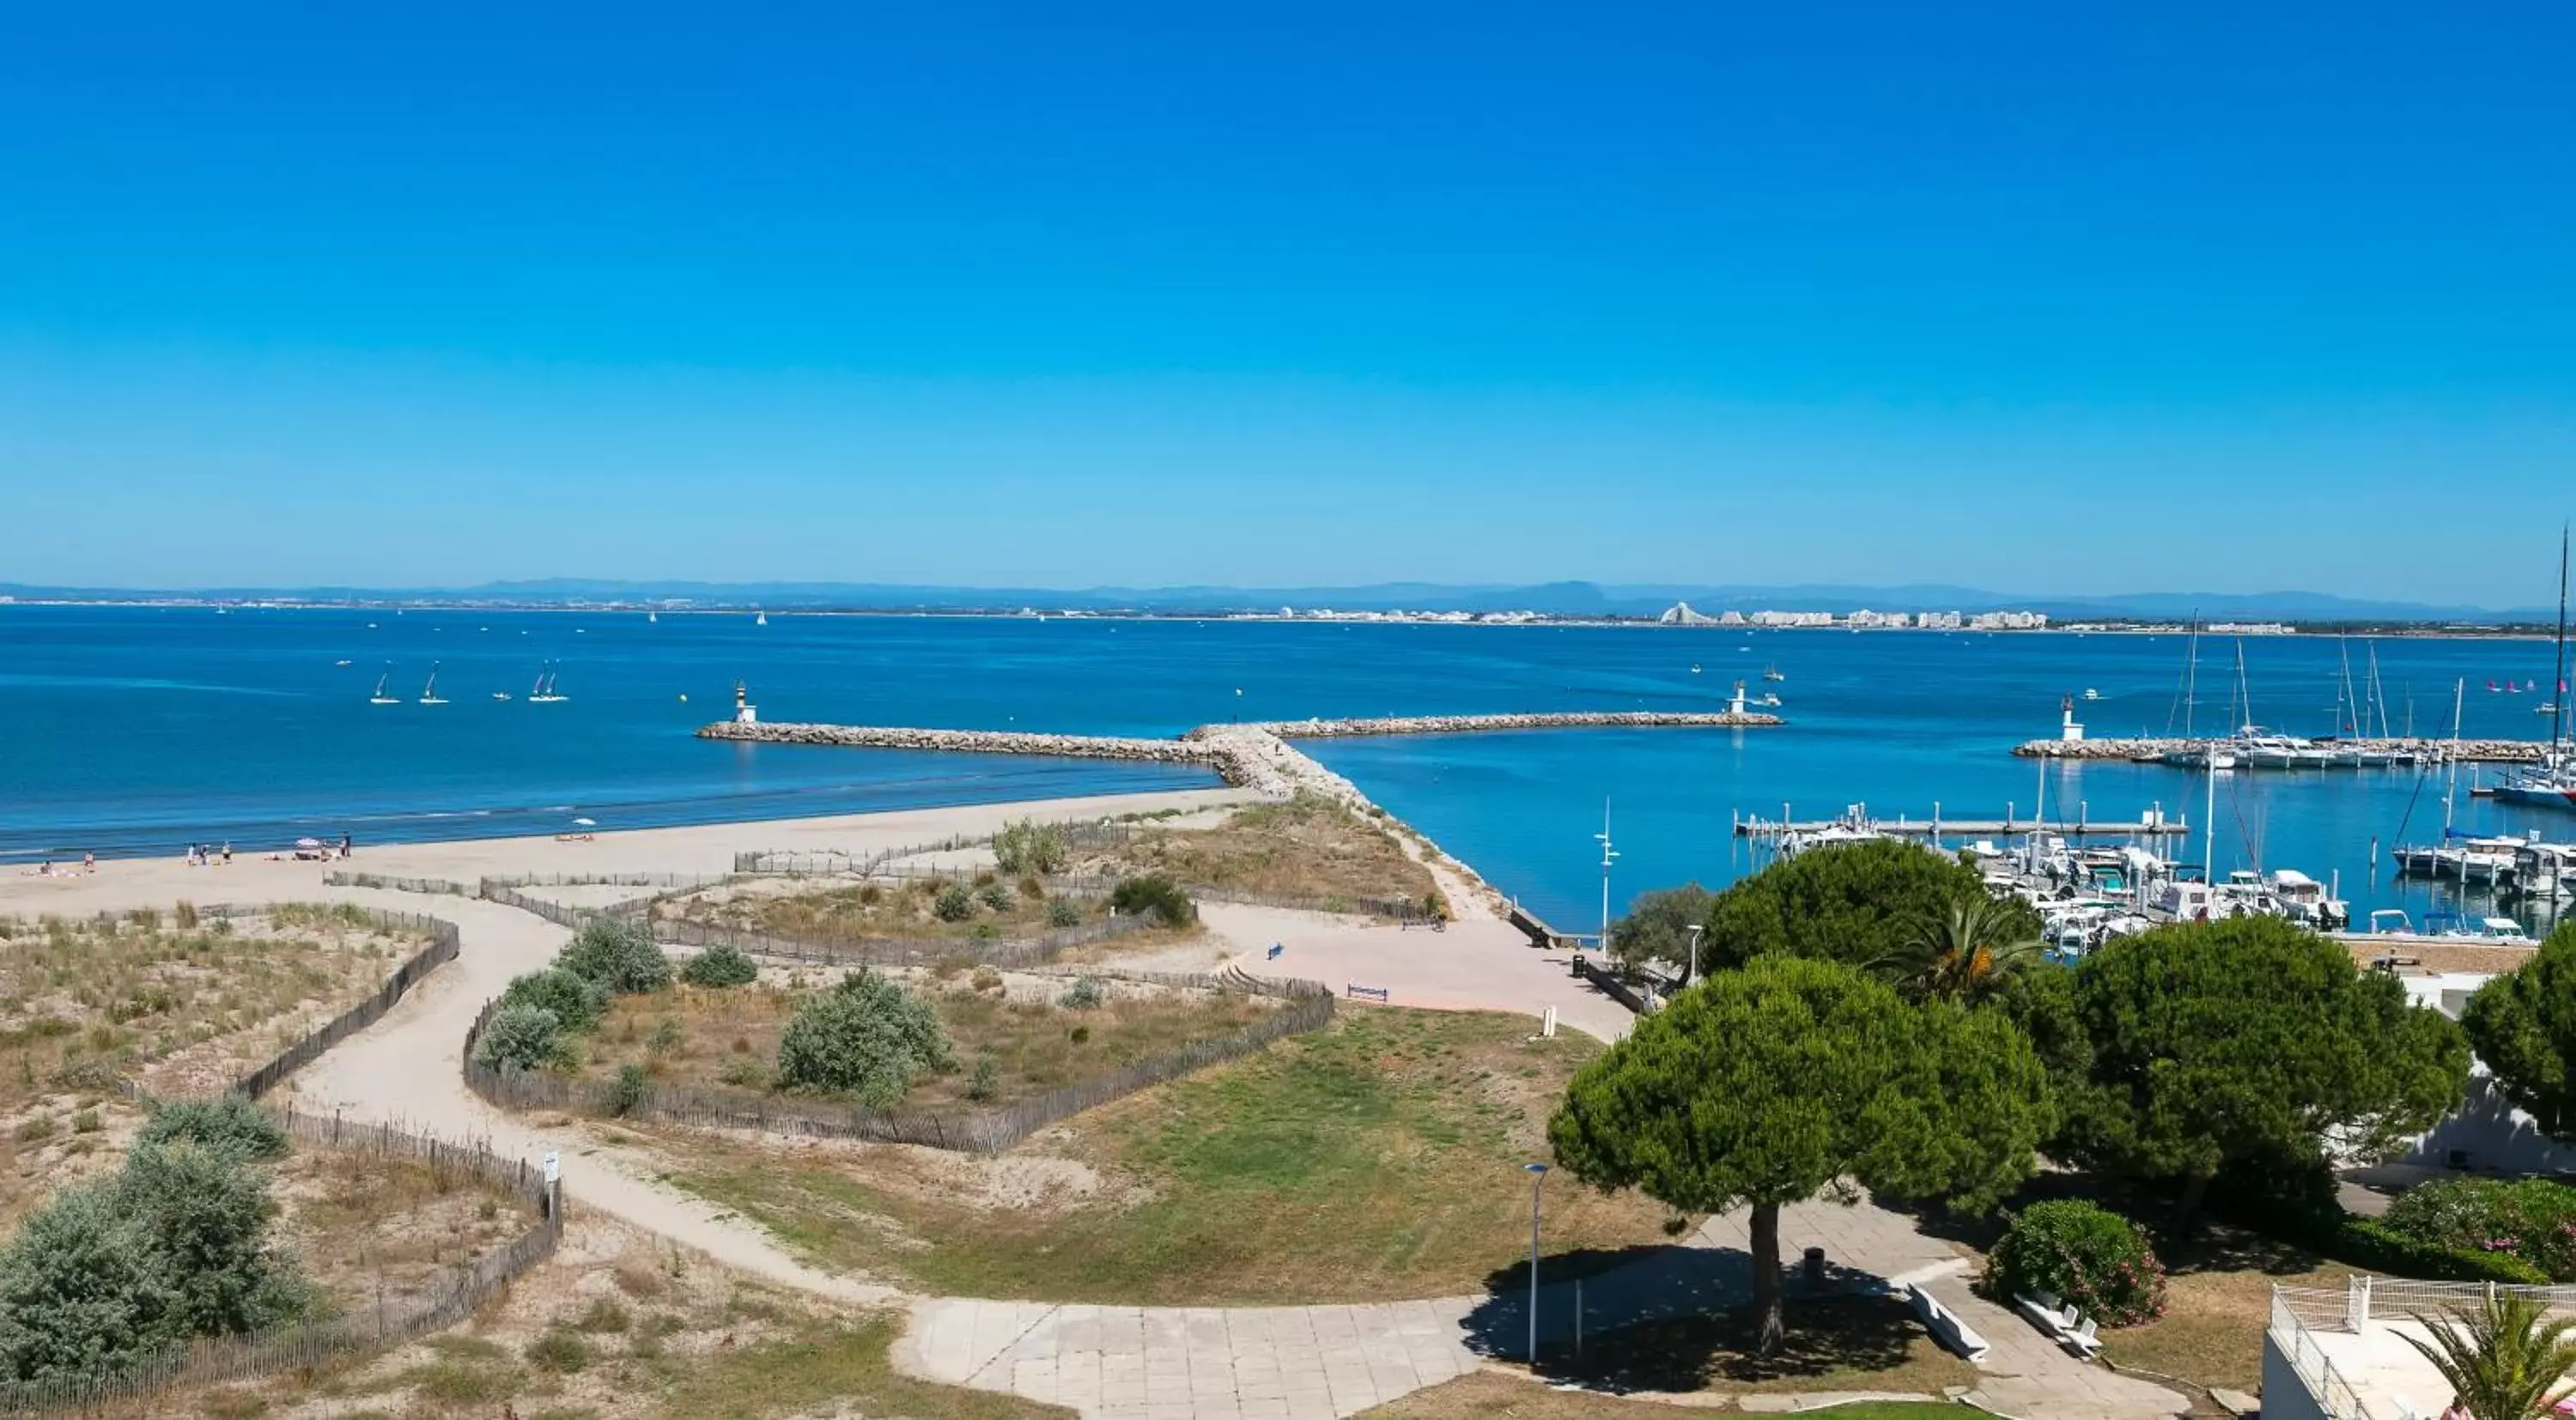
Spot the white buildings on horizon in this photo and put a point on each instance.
(1683, 614)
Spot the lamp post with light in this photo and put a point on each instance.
(1538, 1174)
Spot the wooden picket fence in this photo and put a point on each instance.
(981, 1131)
(452, 1299)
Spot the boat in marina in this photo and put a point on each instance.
(2258, 749)
(1772, 673)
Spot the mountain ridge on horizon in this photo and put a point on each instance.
(1563, 598)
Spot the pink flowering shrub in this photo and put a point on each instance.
(2087, 1257)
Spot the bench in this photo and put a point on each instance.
(1365, 993)
(1944, 1324)
(2064, 1325)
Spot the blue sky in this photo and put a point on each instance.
(2043, 297)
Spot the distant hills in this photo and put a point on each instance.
(1552, 598)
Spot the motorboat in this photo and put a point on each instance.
(2091, 694)
(2266, 751)
(2546, 871)
(2487, 862)
(2305, 901)
(1772, 673)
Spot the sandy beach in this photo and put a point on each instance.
(702, 848)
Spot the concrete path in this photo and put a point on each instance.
(1167, 1363)
(1477, 964)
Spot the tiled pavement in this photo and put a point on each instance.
(1169, 1363)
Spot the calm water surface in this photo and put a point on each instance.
(136, 730)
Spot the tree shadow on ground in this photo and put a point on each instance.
(1600, 1291)
(1829, 1339)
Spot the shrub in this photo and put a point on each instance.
(985, 1082)
(1156, 896)
(953, 903)
(2370, 1244)
(667, 1037)
(627, 1090)
(520, 1038)
(605, 1314)
(231, 1123)
(1027, 846)
(2533, 1220)
(720, 966)
(2092, 1259)
(173, 1248)
(994, 896)
(1061, 913)
(745, 1072)
(619, 954)
(560, 1350)
(866, 1037)
(576, 1000)
(1083, 995)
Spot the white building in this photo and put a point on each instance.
(1938, 621)
(1792, 618)
(2009, 621)
(1878, 620)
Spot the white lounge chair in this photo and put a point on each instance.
(2081, 1339)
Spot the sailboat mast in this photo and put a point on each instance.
(2191, 678)
(2558, 696)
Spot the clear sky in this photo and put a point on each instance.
(2045, 297)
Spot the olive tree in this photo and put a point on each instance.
(1791, 1078)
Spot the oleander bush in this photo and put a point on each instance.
(2088, 1257)
(2533, 1220)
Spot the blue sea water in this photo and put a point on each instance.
(137, 730)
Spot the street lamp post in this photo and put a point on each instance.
(1608, 854)
(1538, 1174)
(1690, 964)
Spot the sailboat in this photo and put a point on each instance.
(2554, 782)
(760, 620)
(429, 692)
(651, 616)
(380, 698)
(1772, 673)
(545, 693)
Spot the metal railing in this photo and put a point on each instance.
(2334, 1394)
(2301, 1314)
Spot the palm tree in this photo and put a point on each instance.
(2502, 1360)
(1967, 949)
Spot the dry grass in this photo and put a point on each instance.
(711, 1039)
(1380, 1158)
(371, 1228)
(2218, 1300)
(861, 912)
(618, 1327)
(1309, 846)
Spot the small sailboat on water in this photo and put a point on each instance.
(760, 620)
(429, 691)
(545, 693)
(380, 698)
(1772, 673)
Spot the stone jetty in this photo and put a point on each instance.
(2467, 751)
(1470, 724)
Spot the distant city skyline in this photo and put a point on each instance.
(995, 295)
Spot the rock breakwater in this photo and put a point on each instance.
(1471, 724)
(2467, 751)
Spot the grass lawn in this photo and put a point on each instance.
(1502, 1393)
(1379, 1158)
(1308, 846)
(2218, 1300)
(709, 1038)
(1833, 1343)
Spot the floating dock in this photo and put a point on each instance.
(1940, 825)
(2423, 749)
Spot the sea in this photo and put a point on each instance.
(138, 730)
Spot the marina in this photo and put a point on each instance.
(1937, 826)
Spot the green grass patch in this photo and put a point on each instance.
(845, 1367)
(1380, 1158)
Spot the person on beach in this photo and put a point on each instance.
(228, 853)
(344, 845)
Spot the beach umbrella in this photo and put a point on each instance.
(308, 843)
(586, 823)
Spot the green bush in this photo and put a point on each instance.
(866, 1037)
(1156, 896)
(2374, 1246)
(953, 903)
(232, 1123)
(994, 896)
(2532, 1219)
(985, 1082)
(2088, 1257)
(561, 1350)
(576, 1001)
(1027, 846)
(1061, 914)
(173, 1248)
(1083, 995)
(627, 1090)
(619, 954)
(720, 965)
(520, 1038)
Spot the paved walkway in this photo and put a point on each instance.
(1478, 964)
(1167, 1363)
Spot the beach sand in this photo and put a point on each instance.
(701, 848)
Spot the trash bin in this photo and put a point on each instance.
(1815, 1267)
